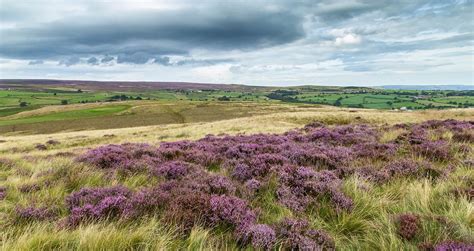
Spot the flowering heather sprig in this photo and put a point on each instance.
(313, 125)
(434, 150)
(252, 185)
(408, 225)
(189, 209)
(34, 213)
(373, 174)
(402, 168)
(127, 157)
(6, 163)
(297, 235)
(375, 150)
(231, 210)
(172, 170)
(464, 137)
(146, 201)
(262, 236)
(300, 185)
(221, 185)
(3, 193)
(451, 124)
(90, 204)
(454, 246)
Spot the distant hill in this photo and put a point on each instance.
(429, 87)
(121, 85)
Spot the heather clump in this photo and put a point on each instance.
(126, 157)
(90, 204)
(298, 235)
(464, 136)
(188, 210)
(3, 193)
(41, 147)
(6, 163)
(172, 169)
(53, 142)
(232, 211)
(408, 225)
(375, 150)
(32, 213)
(434, 150)
(261, 236)
(453, 246)
(301, 186)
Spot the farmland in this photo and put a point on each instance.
(263, 169)
(52, 106)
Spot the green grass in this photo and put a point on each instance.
(68, 115)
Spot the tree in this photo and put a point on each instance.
(223, 98)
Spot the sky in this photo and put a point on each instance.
(253, 42)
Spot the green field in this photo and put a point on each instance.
(68, 115)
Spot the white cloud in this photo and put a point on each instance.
(348, 39)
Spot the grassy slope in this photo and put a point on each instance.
(117, 115)
(67, 115)
(370, 226)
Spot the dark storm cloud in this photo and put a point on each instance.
(162, 61)
(107, 59)
(93, 61)
(134, 58)
(235, 38)
(137, 36)
(70, 61)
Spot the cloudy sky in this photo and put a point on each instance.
(346, 42)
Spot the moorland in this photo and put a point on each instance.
(211, 167)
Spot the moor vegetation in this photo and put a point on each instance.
(369, 186)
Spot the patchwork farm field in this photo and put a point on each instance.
(271, 176)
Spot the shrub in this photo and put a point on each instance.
(187, 210)
(41, 147)
(220, 185)
(464, 137)
(126, 157)
(437, 150)
(297, 235)
(262, 236)
(172, 170)
(408, 226)
(231, 210)
(34, 213)
(52, 142)
(454, 246)
(3, 193)
(91, 204)
(252, 185)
